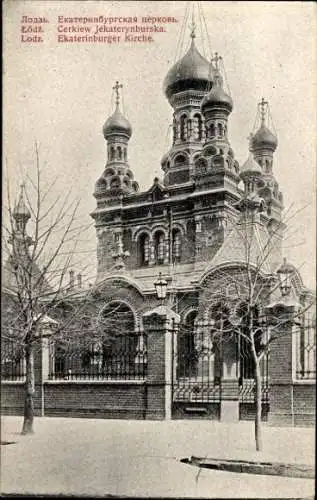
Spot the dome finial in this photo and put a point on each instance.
(216, 60)
(263, 110)
(116, 88)
(192, 27)
(217, 76)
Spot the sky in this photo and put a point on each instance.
(60, 94)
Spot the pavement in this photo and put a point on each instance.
(95, 457)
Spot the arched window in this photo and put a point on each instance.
(159, 247)
(187, 364)
(118, 349)
(112, 153)
(179, 160)
(198, 127)
(176, 245)
(183, 131)
(125, 154)
(220, 129)
(212, 130)
(189, 128)
(119, 153)
(144, 249)
(174, 132)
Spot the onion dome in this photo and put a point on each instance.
(250, 167)
(117, 124)
(264, 138)
(193, 71)
(286, 268)
(217, 97)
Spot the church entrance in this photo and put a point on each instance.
(213, 371)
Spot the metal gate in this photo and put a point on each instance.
(197, 369)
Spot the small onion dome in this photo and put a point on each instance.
(117, 124)
(217, 97)
(193, 71)
(21, 210)
(250, 167)
(264, 138)
(286, 268)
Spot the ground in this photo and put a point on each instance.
(136, 458)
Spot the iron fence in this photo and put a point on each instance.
(306, 350)
(121, 357)
(13, 365)
(247, 372)
(198, 364)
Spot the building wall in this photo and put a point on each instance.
(98, 400)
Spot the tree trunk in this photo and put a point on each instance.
(258, 407)
(29, 392)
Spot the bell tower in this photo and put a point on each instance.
(185, 85)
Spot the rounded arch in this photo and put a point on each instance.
(212, 270)
(143, 249)
(183, 126)
(190, 311)
(113, 279)
(180, 159)
(119, 153)
(180, 227)
(112, 153)
(109, 172)
(139, 231)
(118, 306)
(177, 239)
(159, 241)
(159, 227)
(100, 186)
(198, 126)
(210, 151)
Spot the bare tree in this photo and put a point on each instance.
(240, 298)
(37, 270)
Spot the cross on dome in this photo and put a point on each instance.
(216, 60)
(263, 108)
(193, 27)
(116, 88)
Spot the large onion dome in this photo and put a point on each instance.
(217, 97)
(193, 71)
(264, 138)
(117, 124)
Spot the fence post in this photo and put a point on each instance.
(281, 362)
(41, 364)
(160, 325)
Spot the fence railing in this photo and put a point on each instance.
(13, 365)
(122, 357)
(306, 350)
(198, 365)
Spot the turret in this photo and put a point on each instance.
(117, 178)
(185, 84)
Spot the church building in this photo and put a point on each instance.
(210, 232)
